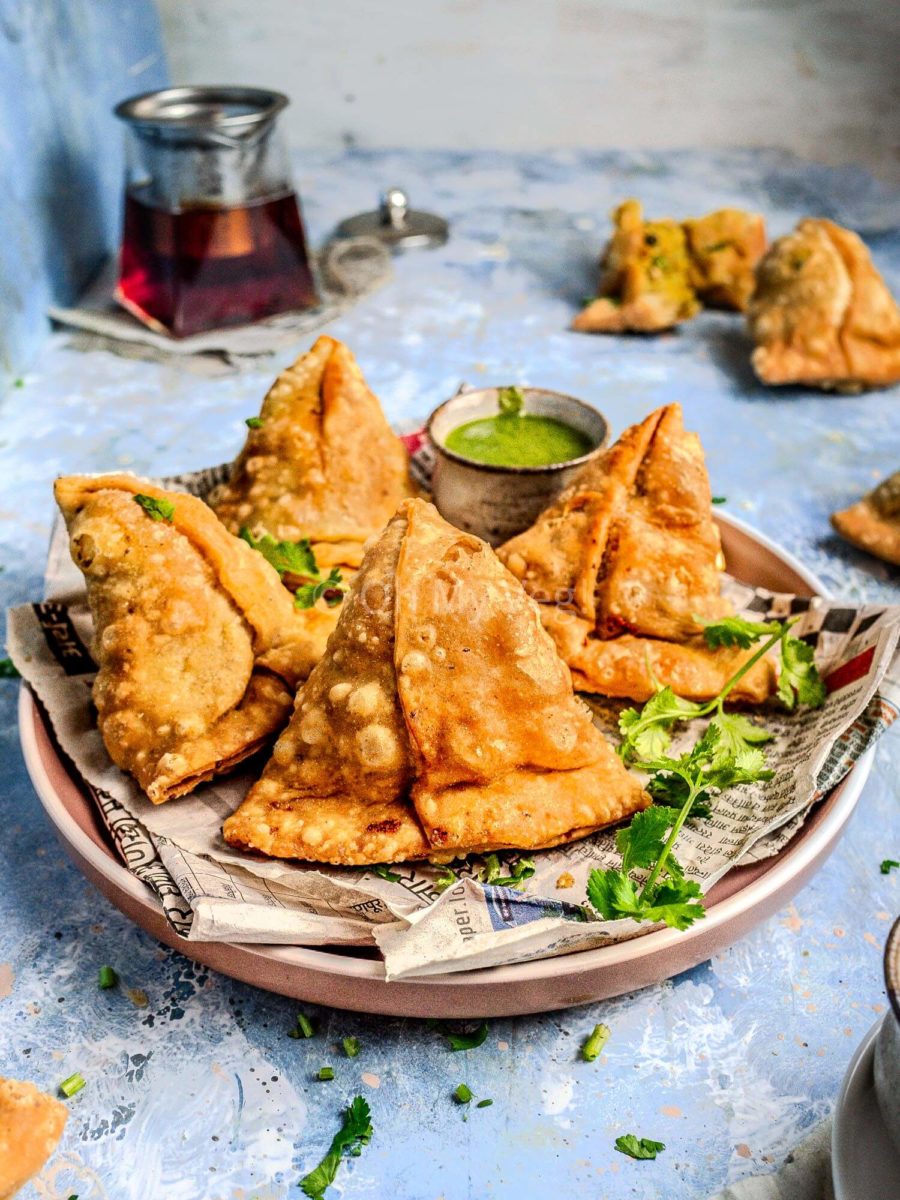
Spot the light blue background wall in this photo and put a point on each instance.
(63, 64)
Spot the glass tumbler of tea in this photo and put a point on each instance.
(213, 235)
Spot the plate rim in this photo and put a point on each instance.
(861, 1064)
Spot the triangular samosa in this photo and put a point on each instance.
(31, 1124)
(822, 315)
(625, 560)
(440, 722)
(198, 644)
(320, 462)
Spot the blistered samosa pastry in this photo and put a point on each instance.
(198, 644)
(626, 561)
(320, 463)
(440, 722)
(645, 282)
(822, 315)
(873, 523)
(31, 1124)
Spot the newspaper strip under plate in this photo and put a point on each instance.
(226, 895)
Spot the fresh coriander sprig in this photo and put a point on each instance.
(355, 1132)
(298, 560)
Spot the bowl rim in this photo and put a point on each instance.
(549, 468)
(892, 967)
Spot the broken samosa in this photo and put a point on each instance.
(724, 248)
(198, 644)
(441, 721)
(31, 1124)
(320, 463)
(822, 315)
(873, 523)
(627, 562)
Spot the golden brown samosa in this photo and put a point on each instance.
(724, 248)
(322, 464)
(31, 1124)
(873, 523)
(440, 722)
(626, 560)
(198, 644)
(822, 315)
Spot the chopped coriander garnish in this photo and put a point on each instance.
(107, 978)
(325, 1074)
(8, 669)
(303, 1028)
(384, 872)
(288, 558)
(462, 1094)
(156, 508)
(491, 872)
(351, 1046)
(636, 1147)
(446, 879)
(484, 1104)
(18, 382)
(71, 1086)
(720, 499)
(254, 422)
(330, 589)
(468, 1041)
(510, 401)
(888, 865)
(355, 1132)
(595, 1043)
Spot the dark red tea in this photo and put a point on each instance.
(206, 267)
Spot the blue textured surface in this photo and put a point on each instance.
(63, 65)
(201, 1094)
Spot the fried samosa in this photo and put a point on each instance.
(724, 248)
(645, 282)
(873, 523)
(322, 464)
(31, 1124)
(822, 315)
(198, 644)
(625, 561)
(441, 721)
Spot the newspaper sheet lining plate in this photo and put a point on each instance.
(212, 893)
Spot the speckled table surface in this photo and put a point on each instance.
(194, 1089)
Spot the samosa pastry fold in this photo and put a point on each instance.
(626, 564)
(198, 645)
(873, 523)
(441, 721)
(31, 1125)
(320, 462)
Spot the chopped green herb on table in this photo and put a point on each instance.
(254, 422)
(325, 1074)
(303, 1028)
(640, 1148)
(462, 1094)
(351, 1046)
(355, 1132)
(72, 1086)
(888, 865)
(468, 1041)
(107, 978)
(593, 1047)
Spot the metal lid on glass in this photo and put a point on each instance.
(396, 224)
(202, 113)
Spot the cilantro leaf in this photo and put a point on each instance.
(641, 842)
(8, 669)
(330, 589)
(798, 680)
(468, 1041)
(613, 894)
(384, 872)
(677, 902)
(671, 791)
(510, 401)
(355, 1131)
(446, 879)
(288, 558)
(640, 1148)
(736, 631)
(738, 733)
(888, 865)
(156, 509)
(646, 733)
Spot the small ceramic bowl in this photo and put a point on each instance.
(495, 503)
(887, 1045)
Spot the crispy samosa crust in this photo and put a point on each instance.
(822, 315)
(724, 248)
(198, 644)
(31, 1124)
(656, 274)
(873, 523)
(440, 722)
(324, 464)
(644, 277)
(625, 560)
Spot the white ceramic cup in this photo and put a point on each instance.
(495, 503)
(887, 1044)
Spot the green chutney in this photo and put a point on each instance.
(518, 440)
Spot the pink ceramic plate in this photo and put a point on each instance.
(353, 979)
